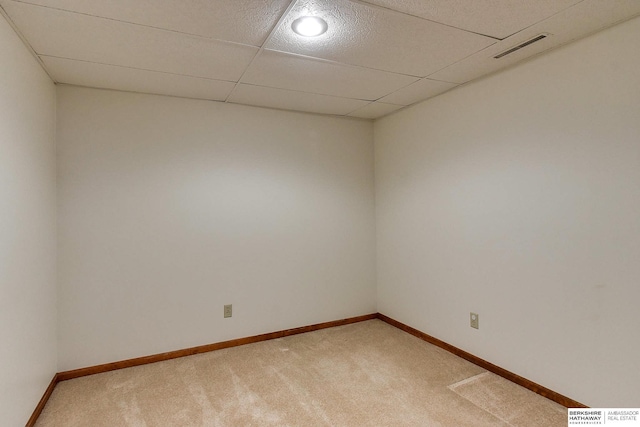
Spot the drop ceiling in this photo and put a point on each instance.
(377, 56)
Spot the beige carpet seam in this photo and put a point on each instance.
(453, 386)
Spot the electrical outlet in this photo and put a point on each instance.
(474, 320)
(227, 310)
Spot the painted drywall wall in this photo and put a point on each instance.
(170, 208)
(518, 197)
(27, 230)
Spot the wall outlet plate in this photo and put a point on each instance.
(474, 320)
(228, 310)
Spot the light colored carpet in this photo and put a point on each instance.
(509, 402)
(364, 374)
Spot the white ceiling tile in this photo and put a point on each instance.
(292, 100)
(242, 21)
(369, 52)
(375, 110)
(495, 18)
(69, 35)
(304, 74)
(375, 37)
(578, 21)
(131, 79)
(419, 91)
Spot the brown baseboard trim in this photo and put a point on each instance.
(537, 388)
(43, 401)
(76, 373)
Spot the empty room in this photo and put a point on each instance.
(319, 212)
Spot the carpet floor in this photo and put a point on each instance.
(363, 374)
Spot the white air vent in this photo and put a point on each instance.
(521, 45)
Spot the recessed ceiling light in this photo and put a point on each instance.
(309, 26)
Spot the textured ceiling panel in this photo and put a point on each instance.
(374, 50)
(292, 100)
(375, 37)
(69, 35)
(293, 72)
(242, 21)
(584, 18)
(131, 79)
(375, 110)
(495, 18)
(418, 91)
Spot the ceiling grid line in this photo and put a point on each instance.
(266, 40)
(364, 2)
(25, 42)
(377, 56)
(153, 27)
(136, 68)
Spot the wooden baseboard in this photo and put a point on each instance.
(43, 401)
(76, 373)
(537, 388)
(67, 375)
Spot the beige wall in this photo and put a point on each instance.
(170, 208)
(518, 197)
(27, 230)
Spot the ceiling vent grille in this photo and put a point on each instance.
(520, 46)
